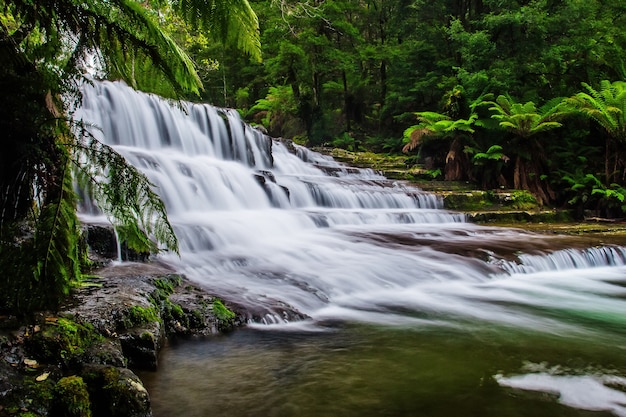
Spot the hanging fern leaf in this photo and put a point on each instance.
(123, 193)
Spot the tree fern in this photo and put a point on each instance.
(607, 107)
(524, 119)
(440, 126)
(230, 21)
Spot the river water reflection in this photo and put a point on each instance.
(362, 370)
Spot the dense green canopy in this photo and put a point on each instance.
(356, 73)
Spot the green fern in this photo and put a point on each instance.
(231, 21)
(524, 119)
(607, 106)
(123, 193)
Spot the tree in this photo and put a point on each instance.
(436, 125)
(607, 107)
(525, 121)
(46, 48)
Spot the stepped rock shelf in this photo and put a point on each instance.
(498, 206)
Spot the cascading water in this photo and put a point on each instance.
(290, 233)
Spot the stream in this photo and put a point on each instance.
(366, 297)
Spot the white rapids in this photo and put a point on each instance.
(290, 233)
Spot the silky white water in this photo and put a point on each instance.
(304, 242)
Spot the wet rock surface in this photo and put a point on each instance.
(112, 325)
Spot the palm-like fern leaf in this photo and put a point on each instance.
(524, 119)
(230, 21)
(606, 106)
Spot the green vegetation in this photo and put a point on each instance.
(137, 315)
(222, 312)
(171, 313)
(71, 398)
(115, 391)
(62, 338)
(512, 94)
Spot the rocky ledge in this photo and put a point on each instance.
(80, 361)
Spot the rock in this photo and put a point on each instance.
(115, 321)
(141, 345)
(116, 392)
(106, 352)
(71, 398)
(102, 241)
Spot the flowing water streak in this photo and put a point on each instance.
(287, 231)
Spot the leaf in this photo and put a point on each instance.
(42, 377)
(31, 363)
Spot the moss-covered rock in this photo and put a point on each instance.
(71, 398)
(138, 315)
(225, 316)
(116, 392)
(61, 340)
(141, 345)
(120, 320)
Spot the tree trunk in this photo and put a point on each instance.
(346, 101)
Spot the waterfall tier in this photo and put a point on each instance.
(283, 229)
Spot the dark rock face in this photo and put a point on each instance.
(103, 245)
(102, 241)
(116, 392)
(141, 345)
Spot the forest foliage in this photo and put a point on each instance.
(528, 94)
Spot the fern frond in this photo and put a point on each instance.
(124, 193)
(232, 22)
(413, 137)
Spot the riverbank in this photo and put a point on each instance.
(80, 361)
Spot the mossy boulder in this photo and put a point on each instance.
(225, 316)
(62, 340)
(71, 398)
(116, 392)
(141, 345)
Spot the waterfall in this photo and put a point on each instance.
(290, 233)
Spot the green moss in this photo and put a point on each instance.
(62, 339)
(29, 398)
(221, 311)
(147, 336)
(116, 392)
(470, 200)
(137, 315)
(71, 398)
(523, 200)
(197, 319)
(376, 161)
(166, 284)
(42, 391)
(170, 312)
